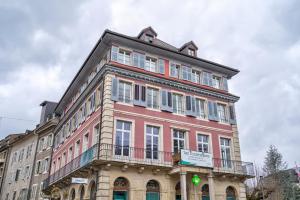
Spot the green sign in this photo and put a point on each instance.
(196, 180)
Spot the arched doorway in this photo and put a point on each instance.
(93, 190)
(121, 188)
(72, 194)
(81, 192)
(153, 190)
(178, 191)
(205, 192)
(230, 193)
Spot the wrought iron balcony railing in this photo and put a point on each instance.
(233, 166)
(135, 155)
(132, 155)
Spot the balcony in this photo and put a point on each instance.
(233, 167)
(108, 153)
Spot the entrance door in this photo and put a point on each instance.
(120, 195)
(152, 196)
(178, 197)
(230, 198)
(205, 198)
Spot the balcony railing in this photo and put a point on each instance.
(128, 154)
(132, 155)
(233, 166)
(82, 160)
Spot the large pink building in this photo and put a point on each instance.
(140, 119)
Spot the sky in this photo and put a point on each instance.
(44, 43)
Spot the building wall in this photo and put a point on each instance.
(10, 185)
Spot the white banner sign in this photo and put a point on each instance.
(196, 158)
(80, 180)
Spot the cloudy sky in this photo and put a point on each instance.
(43, 44)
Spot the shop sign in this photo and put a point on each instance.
(196, 158)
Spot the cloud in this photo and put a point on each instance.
(261, 38)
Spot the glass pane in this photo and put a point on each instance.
(155, 131)
(127, 126)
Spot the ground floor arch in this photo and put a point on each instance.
(152, 190)
(121, 189)
(231, 193)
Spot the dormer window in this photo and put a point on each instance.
(191, 52)
(149, 38)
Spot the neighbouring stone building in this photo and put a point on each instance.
(140, 119)
(44, 131)
(19, 168)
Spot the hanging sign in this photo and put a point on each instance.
(196, 158)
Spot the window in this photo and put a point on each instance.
(18, 171)
(41, 189)
(186, 73)
(98, 97)
(77, 149)
(139, 60)
(96, 134)
(85, 142)
(150, 64)
(58, 163)
(64, 159)
(152, 140)
(14, 195)
(216, 82)
(200, 108)
(149, 38)
(196, 76)
(177, 102)
(202, 143)
(222, 113)
(124, 57)
(225, 152)
(21, 155)
(125, 92)
(29, 150)
(152, 98)
(46, 165)
(41, 144)
(37, 167)
(191, 52)
(178, 140)
(174, 70)
(33, 191)
(161, 66)
(70, 154)
(50, 140)
(123, 131)
(27, 172)
(14, 158)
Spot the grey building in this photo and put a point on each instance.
(19, 167)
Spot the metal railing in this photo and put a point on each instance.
(233, 166)
(135, 155)
(132, 155)
(75, 164)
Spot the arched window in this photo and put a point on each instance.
(93, 191)
(230, 193)
(82, 193)
(153, 190)
(72, 194)
(205, 192)
(121, 188)
(178, 191)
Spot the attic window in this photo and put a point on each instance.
(191, 52)
(149, 38)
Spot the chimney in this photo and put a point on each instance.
(47, 111)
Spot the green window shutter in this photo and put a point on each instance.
(232, 118)
(143, 95)
(166, 101)
(114, 53)
(114, 89)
